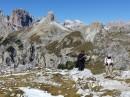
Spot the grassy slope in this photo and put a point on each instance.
(11, 84)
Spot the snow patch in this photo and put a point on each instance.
(83, 92)
(75, 74)
(106, 96)
(36, 93)
(113, 84)
(73, 24)
(7, 75)
(125, 74)
(125, 94)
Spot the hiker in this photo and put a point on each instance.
(81, 61)
(109, 65)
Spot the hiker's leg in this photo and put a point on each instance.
(83, 66)
(111, 70)
(79, 67)
(107, 71)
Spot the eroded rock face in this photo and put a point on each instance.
(1, 13)
(21, 18)
(49, 18)
(73, 25)
(92, 30)
(12, 56)
(115, 44)
(5, 27)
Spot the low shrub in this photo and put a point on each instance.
(61, 66)
(69, 65)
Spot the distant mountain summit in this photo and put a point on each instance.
(5, 27)
(20, 18)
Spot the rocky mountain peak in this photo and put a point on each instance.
(1, 12)
(75, 25)
(70, 23)
(96, 25)
(51, 16)
(21, 18)
(1, 16)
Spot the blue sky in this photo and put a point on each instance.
(84, 10)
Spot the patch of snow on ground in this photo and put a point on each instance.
(56, 71)
(36, 93)
(106, 96)
(83, 92)
(6, 75)
(111, 84)
(125, 94)
(75, 74)
(125, 74)
(62, 72)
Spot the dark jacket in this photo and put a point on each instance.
(80, 61)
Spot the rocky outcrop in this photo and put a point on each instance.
(118, 26)
(5, 28)
(92, 30)
(48, 19)
(115, 44)
(46, 31)
(1, 12)
(21, 18)
(73, 25)
(50, 16)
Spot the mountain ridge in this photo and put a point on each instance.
(58, 42)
